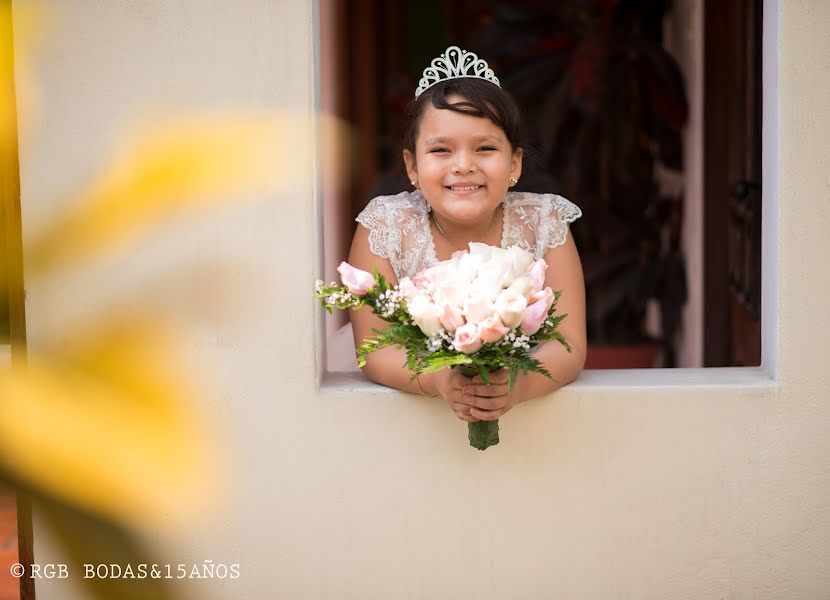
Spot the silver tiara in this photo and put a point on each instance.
(452, 64)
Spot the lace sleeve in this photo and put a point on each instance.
(554, 230)
(373, 218)
(399, 231)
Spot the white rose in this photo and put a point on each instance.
(488, 284)
(477, 308)
(482, 251)
(524, 285)
(425, 314)
(445, 272)
(510, 306)
(447, 286)
(468, 266)
(521, 259)
(408, 288)
(450, 293)
(495, 275)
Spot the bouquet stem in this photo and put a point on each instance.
(482, 434)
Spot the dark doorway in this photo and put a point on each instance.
(608, 106)
(732, 186)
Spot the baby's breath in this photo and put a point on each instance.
(521, 341)
(388, 302)
(515, 341)
(434, 344)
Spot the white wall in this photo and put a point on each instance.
(690, 484)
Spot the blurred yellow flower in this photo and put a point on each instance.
(19, 100)
(110, 424)
(8, 120)
(166, 169)
(105, 417)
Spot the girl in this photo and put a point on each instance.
(462, 148)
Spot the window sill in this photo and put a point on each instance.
(712, 378)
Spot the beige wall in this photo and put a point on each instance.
(690, 484)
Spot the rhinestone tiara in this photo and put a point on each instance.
(455, 63)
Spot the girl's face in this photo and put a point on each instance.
(462, 164)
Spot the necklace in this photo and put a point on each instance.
(446, 237)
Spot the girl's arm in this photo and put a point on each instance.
(387, 366)
(564, 273)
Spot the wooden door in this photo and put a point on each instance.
(732, 172)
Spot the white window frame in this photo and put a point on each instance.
(711, 378)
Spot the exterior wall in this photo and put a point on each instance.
(691, 484)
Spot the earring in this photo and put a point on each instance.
(414, 183)
(513, 181)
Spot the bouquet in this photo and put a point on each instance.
(482, 310)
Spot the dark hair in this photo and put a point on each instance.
(481, 99)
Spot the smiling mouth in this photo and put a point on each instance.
(464, 188)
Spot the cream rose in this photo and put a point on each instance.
(468, 266)
(520, 260)
(523, 285)
(510, 306)
(451, 317)
(425, 314)
(449, 292)
(477, 308)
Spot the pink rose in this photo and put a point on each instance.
(359, 282)
(546, 294)
(451, 317)
(466, 339)
(536, 272)
(537, 311)
(420, 278)
(491, 329)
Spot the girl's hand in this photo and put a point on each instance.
(450, 384)
(489, 402)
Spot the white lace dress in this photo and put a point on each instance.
(399, 227)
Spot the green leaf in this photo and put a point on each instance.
(482, 371)
(514, 373)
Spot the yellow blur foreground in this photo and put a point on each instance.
(103, 425)
(103, 416)
(111, 427)
(162, 171)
